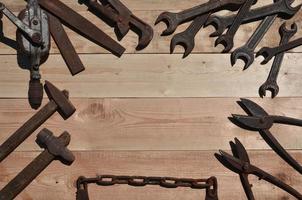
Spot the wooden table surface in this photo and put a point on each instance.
(151, 113)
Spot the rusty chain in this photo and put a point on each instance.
(209, 184)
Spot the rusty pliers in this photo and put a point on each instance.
(240, 164)
(259, 120)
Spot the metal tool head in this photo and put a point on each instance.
(187, 43)
(287, 6)
(226, 41)
(56, 145)
(268, 53)
(251, 108)
(217, 23)
(254, 123)
(143, 30)
(268, 86)
(245, 54)
(170, 19)
(283, 30)
(240, 152)
(65, 107)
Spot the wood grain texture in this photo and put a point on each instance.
(155, 124)
(207, 75)
(148, 11)
(57, 181)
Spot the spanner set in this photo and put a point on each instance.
(42, 20)
(227, 26)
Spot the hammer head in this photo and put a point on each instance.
(65, 107)
(56, 145)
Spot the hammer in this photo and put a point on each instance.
(55, 149)
(58, 102)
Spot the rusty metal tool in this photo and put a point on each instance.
(37, 19)
(65, 46)
(34, 35)
(243, 167)
(281, 7)
(268, 53)
(34, 43)
(259, 120)
(81, 25)
(55, 149)
(246, 52)
(209, 184)
(123, 18)
(172, 20)
(271, 82)
(187, 37)
(58, 102)
(227, 39)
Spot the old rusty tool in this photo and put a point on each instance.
(173, 20)
(281, 7)
(58, 102)
(268, 53)
(34, 43)
(65, 46)
(81, 25)
(271, 82)
(240, 153)
(187, 37)
(259, 120)
(227, 39)
(244, 168)
(209, 184)
(123, 18)
(246, 52)
(34, 35)
(55, 149)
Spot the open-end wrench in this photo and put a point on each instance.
(271, 82)
(227, 39)
(282, 7)
(268, 53)
(246, 52)
(172, 20)
(187, 37)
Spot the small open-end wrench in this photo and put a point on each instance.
(246, 52)
(282, 7)
(268, 53)
(172, 20)
(187, 37)
(227, 40)
(271, 82)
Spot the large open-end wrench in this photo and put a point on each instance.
(227, 39)
(172, 20)
(268, 53)
(282, 7)
(271, 82)
(187, 37)
(246, 52)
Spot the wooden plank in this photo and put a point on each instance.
(159, 44)
(155, 124)
(57, 181)
(166, 76)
